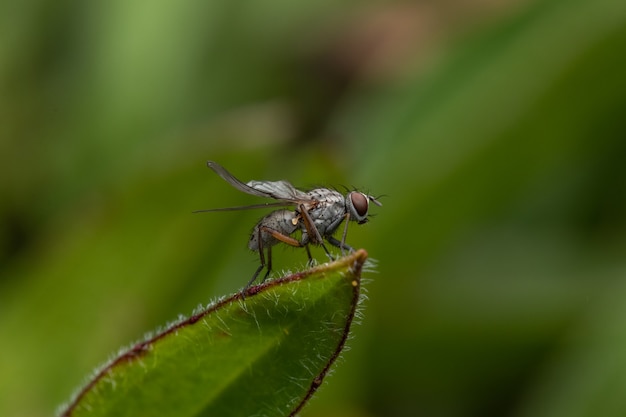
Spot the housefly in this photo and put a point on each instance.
(317, 214)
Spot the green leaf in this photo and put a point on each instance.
(262, 354)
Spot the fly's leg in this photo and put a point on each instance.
(345, 234)
(308, 253)
(256, 274)
(279, 236)
(269, 263)
(262, 259)
(341, 245)
(312, 230)
(285, 239)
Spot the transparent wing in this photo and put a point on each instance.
(279, 190)
(248, 207)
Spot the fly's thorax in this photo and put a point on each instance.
(328, 211)
(325, 195)
(282, 221)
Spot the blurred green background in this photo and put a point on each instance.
(496, 130)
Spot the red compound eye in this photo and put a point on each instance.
(360, 203)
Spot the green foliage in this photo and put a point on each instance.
(265, 354)
(496, 132)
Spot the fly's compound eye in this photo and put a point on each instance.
(358, 205)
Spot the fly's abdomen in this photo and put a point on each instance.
(284, 222)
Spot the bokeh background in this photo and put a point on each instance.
(495, 129)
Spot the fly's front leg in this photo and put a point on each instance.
(312, 230)
(341, 244)
(345, 234)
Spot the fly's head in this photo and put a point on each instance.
(357, 205)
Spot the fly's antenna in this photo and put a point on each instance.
(375, 199)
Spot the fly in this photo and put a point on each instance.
(317, 214)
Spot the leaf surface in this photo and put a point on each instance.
(262, 354)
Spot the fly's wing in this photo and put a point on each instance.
(248, 207)
(279, 190)
(230, 178)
